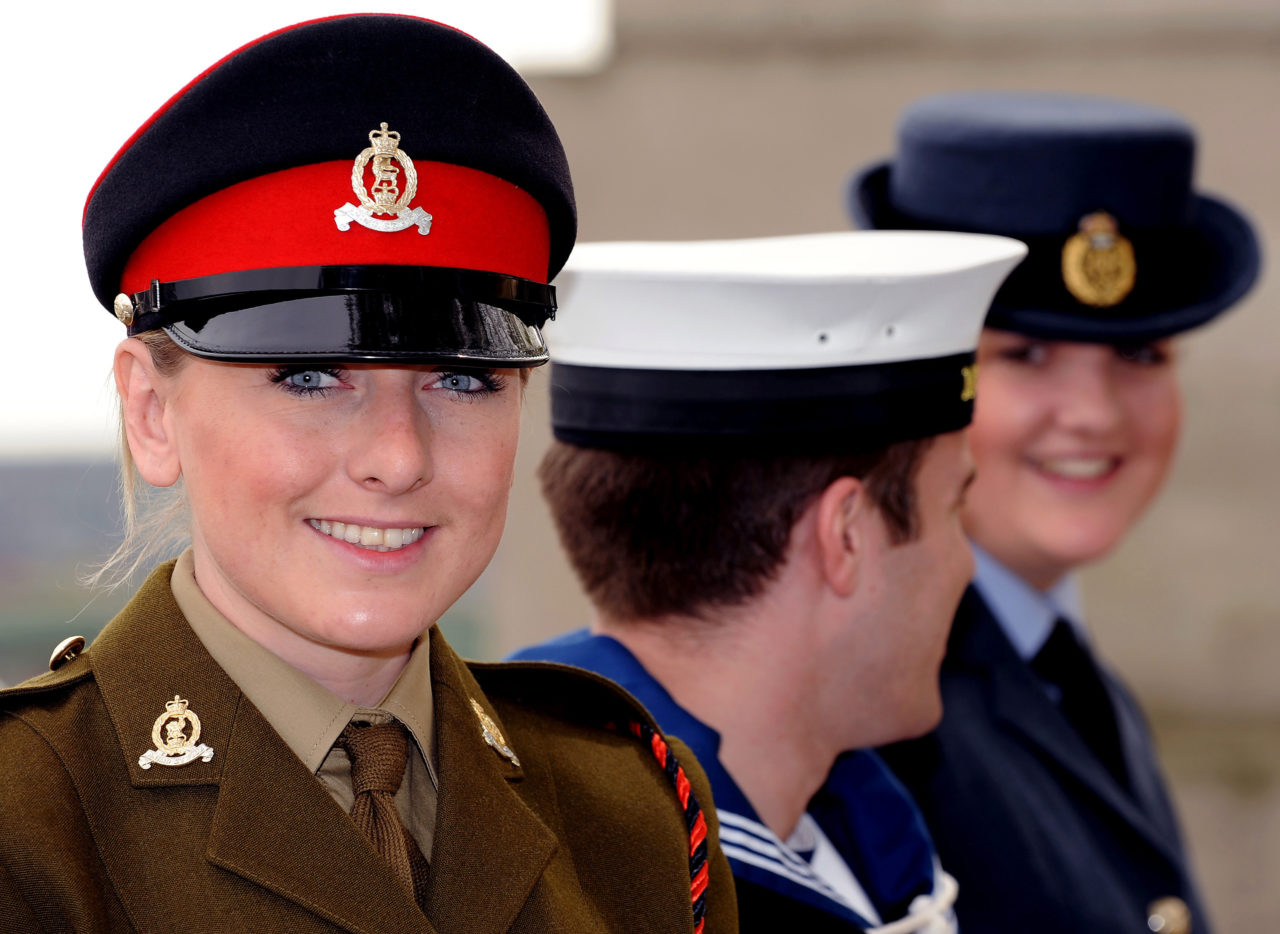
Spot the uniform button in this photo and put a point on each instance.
(65, 650)
(1169, 916)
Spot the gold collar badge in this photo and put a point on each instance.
(1098, 265)
(174, 744)
(492, 735)
(384, 196)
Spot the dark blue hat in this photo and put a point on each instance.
(1121, 247)
(365, 187)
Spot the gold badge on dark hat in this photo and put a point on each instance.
(1098, 265)
(176, 735)
(492, 735)
(384, 196)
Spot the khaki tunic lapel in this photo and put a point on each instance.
(267, 820)
(490, 849)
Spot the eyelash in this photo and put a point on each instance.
(281, 374)
(1143, 354)
(490, 382)
(1031, 352)
(1034, 352)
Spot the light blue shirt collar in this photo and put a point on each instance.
(1025, 614)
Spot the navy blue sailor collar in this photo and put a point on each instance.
(862, 808)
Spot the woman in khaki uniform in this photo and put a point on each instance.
(328, 340)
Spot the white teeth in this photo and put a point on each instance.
(368, 536)
(1078, 468)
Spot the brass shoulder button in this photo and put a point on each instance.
(64, 651)
(1169, 915)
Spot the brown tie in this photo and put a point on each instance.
(378, 754)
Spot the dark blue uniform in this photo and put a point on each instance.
(1040, 835)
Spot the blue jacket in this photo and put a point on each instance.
(862, 809)
(1039, 834)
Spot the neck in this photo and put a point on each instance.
(361, 677)
(756, 690)
(362, 680)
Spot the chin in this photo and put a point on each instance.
(363, 633)
(925, 715)
(1084, 546)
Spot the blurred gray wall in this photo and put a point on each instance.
(744, 117)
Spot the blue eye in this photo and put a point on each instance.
(468, 383)
(306, 381)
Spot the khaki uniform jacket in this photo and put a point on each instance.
(585, 834)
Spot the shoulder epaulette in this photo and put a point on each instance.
(614, 709)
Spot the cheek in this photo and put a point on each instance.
(1005, 419)
(1155, 417)
(478, 465)
(1159, 420)
(234, 467)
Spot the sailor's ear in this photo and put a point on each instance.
(843, 510)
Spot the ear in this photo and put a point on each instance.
(144, 397)
(841, 533)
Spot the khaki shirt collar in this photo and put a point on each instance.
(307, 716)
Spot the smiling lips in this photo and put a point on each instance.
(368, 536)
(1077, 468)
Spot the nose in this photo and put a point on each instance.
(391, 446)
(1088, 400)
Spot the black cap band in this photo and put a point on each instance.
(820, 410)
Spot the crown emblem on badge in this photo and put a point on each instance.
(1098, 265)
(174, 745)
(386, 161)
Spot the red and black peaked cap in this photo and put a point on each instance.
(365, 187)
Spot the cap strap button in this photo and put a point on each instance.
(124, 309)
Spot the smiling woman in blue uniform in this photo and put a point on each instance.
(757, 476)
(327, 342)
(1042, 756)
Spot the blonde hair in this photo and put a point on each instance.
(155, 520)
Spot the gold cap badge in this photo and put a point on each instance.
(969, 391)
(1098, 264)
(174, 744)
(492, 735)
(384, 196)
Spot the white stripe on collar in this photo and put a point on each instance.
(748, 841)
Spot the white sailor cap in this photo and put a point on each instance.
(819, 343)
